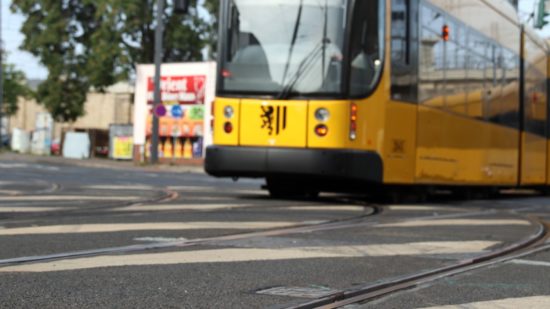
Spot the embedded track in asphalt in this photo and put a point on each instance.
(367, 219)
(157, 196)
(370, 211)
(531, 244)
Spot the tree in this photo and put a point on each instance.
(14, 88)
(88, 44)
(213, 8)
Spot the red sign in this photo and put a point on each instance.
(176, 90)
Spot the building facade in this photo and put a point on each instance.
(115, 106)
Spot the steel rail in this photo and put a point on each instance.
(526, 246)
(358, 221)
(328, 225)
(165, 195)
(51, 188)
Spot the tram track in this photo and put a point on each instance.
(365, 293)
(48, 188)
(162, 196)
(531, 244)
(53, 187)
(308, 228)
(353, 222)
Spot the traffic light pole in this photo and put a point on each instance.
(157, 97)
(541, 14)
(180, 7)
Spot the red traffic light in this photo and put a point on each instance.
(446, 33)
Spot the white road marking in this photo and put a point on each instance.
(457, 222)
(66, 198)
(193, 188)
(423, 208)
(12, 165)
(198, 207)
(122, 227)
(530, 263)
(120, 187)
(209, 198)
(160, 239)
(214, 189)
(24, 165)
(30, 209)
(252, 254)
(508, 303)
(416, 248)
(327, 208)
(10, 192)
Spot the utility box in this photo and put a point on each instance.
(41, 141)
(20, 141)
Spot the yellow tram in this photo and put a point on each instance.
(362, 94)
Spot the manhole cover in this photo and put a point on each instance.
(300, 292)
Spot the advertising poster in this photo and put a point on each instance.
(186, 93)
(181, 128)
(123, 148)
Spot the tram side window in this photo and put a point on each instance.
(460, 74)
(400, 33)
(403, 44)
(366, 46)
(509, 116)
(432, 61)
(454, 70)
(496, 103)
(476, 75)
(489, 87)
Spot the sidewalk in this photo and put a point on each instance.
(195, 167)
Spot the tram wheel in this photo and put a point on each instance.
(286, 188)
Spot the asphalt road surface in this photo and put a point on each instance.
(74, 236)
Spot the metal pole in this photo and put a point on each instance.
(157, 99)
(1, 81)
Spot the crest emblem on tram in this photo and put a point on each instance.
(274, 119)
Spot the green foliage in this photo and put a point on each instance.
(213, 8)
(88, 44)
(14, 88)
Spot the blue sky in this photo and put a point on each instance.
(11, 23)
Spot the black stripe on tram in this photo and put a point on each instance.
(284, 117)
(278, 118)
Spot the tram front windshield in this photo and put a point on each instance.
(283, 47)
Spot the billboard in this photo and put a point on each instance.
(187, 91)
(178, 90)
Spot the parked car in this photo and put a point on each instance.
(56, 147)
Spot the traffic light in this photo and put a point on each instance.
(181, 6)
(540, 20)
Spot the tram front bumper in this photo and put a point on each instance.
(228, 161)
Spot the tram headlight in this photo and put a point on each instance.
(322, 114)
(321, 130)
(228, 112)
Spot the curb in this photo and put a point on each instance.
(104, 163)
